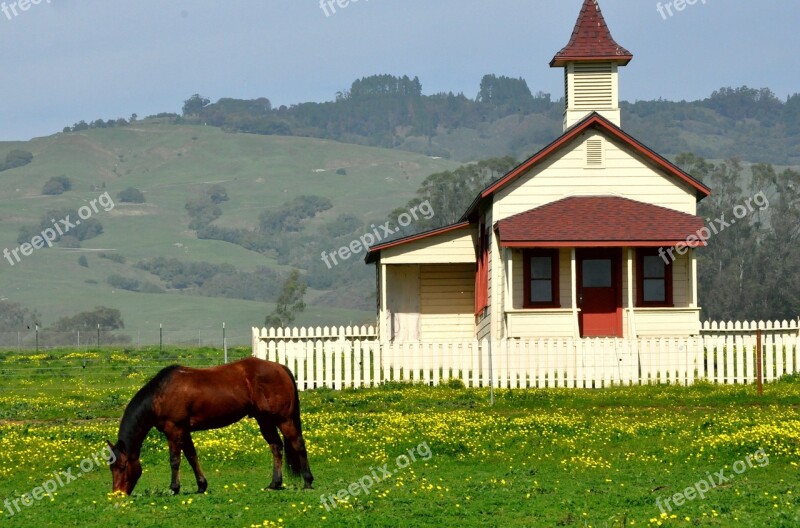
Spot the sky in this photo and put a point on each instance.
(67, 60)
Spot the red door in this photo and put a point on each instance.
(600, 292)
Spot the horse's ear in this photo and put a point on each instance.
(110, 445)
(122, 449)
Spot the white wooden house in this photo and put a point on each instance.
(575, 269)
(594, 235)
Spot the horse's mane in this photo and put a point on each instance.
(137, 419)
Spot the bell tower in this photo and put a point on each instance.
(591, 62)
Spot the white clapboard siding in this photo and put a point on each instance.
(447, 302)
(566, 174)
(353, 357)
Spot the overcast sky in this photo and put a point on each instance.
(67, 60)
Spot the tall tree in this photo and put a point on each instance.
(290, 302)
(14, 317)
(449, 193)
(776, 275)
(195, 104)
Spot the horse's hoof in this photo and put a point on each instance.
(273, 487)
(201, 488)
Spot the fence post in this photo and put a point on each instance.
(98, 335)
(491, 373)
(160, 337)
(37, 338)
(759, 368)
(84, 382)
(224, 344)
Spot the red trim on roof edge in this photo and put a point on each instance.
(419, 236)
(603, 243)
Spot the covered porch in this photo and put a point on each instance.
(599, 266)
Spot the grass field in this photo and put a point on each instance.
(536, 458)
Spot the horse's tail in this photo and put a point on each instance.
(292, 456)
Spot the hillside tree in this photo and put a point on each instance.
(290, 302)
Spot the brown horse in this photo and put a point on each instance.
(179, 400)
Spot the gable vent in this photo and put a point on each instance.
(594, 153)
(593, 86)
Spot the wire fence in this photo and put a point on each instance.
(39, 339)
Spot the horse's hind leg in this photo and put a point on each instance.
(175, 437)
(270, 434)
(191, 456)
(295, 440)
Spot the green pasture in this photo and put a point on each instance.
(559, 457)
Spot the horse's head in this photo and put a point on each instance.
(125, 471)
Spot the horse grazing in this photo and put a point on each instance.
(180, 400)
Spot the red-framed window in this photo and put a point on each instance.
(540, 277)
(653, 279)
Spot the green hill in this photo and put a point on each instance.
(171, 164)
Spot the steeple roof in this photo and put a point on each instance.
(591, 40)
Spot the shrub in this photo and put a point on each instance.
(87, 229)
(123, 283)
(217, 194)
(83, 262)
(107, 318)
(131, 195)
(16, 158)
(291, 215)
(57, 185)
(113, 257)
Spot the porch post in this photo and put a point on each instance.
(574, 288)
(693, 278)
(631, 306)
(383, 326)
(508, 302)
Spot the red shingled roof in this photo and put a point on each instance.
(593, 221)
(591, 40)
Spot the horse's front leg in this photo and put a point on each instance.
(191, 456)
(175, 440)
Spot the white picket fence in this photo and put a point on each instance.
(354, 357)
